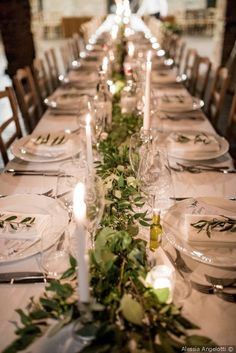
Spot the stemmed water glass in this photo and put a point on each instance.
(155, 179)
(73, 172)
(94, 199)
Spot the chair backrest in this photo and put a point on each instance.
(41, 79)
(231, 124)
(28, 98)
(53, 70)
(69, 52)
(189, 66)
(179, 53)
(9, 126)
(173, 45)
(201, 76)
(217, 95)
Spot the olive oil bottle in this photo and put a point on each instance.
(155, 232)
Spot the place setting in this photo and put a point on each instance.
(202, 232)
(24, 221)
(46, 147)
(193, 146)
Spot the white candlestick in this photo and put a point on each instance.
(149, 55)
(146, 116)
(79, 208)
(105, 64)
(131, 49)
(89, 144)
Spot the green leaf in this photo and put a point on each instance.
(11, 218)
(131, 310)
(162, 294)
(199, 341)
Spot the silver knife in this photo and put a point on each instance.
(16, 172)
(23, 277)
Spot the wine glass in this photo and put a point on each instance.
(94, 199)
(154, 175)
(139, 143)
(71, 172)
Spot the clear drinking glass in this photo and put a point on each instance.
(155, 179)
(94, 199)
(71, 172)
(55, 260)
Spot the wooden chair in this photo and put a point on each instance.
(217, 95)
(179, 53)
(189, 65)
(231, 124)
(28, 98)
(201, 76)
(41, 79)
(69, 52)
(53, 70)
(10, 127)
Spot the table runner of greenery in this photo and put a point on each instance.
(128, 315)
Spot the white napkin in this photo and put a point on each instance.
(83, 78)
(50, 148)
(201, 211)
(183, 143)
(164, 77)
(173, 103)
(22, 232)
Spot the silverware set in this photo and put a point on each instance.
(199, 168)
(227, 293)
(224, 288)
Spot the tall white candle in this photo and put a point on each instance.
(131, 49)
(79, 209)
(89, 148)
(146, 116)
(105, 63)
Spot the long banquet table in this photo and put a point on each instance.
(215, 317)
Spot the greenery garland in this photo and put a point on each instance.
(128, 315)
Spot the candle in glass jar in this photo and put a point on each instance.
(162, 276)
(79, 210)
(89, 143)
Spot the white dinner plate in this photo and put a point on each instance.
(68, 101)
(188, 104)
(174, 230)
(17, 149)
(199, 155)
(33, 204)
(167, 77)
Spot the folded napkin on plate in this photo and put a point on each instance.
(83, 78)
(22, 226)
(163, 77)
(48, 145)
(192, 142)
(209, 224)
(173, 103)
